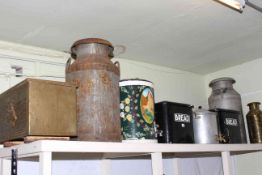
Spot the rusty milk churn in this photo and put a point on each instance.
(97, 79)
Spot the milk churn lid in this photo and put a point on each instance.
(90, 41)
(201, 111)
(222, 79)
(253, 103)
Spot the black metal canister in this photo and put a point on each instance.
(175, 122)
(229, 126)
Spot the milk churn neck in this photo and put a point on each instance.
(253, 106)
(91, 46)
(221, 83)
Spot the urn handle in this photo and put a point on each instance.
(221, 138)
(224, 90)
(117, 64)
(220, 91)
(68, 64)
(159, 133)
(195, 116)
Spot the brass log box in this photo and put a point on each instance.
(38, 108)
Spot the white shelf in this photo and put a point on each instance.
(130, 148)
(46, 149)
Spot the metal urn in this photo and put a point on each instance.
(254, 122)
(137, 111)
(205, 127)
(97, 79)
(224, 96)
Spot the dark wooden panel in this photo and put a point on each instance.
(14, 112)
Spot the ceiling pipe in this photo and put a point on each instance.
(237, 5)
(250, 4)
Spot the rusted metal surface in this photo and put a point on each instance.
(92, 41)
(93, 63)
(38, 108)
(97, 79)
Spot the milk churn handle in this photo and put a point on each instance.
(68, 63)
(117, 64)
(224, 90)
(221, 91)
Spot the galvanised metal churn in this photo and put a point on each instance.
(254, 122)
(224, 96)
(205, 127)
(97, 79)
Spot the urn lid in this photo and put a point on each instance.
(91, 41)
(222, 79)
(201, 111)
(253, 104)
(135, 82)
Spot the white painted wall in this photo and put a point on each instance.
(36, 62)
(249, 85)
(170, 84)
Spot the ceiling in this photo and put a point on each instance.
(200, 36)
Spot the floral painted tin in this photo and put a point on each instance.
(137, 111)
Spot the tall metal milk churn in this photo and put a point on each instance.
(97, 79)
(224, 96)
